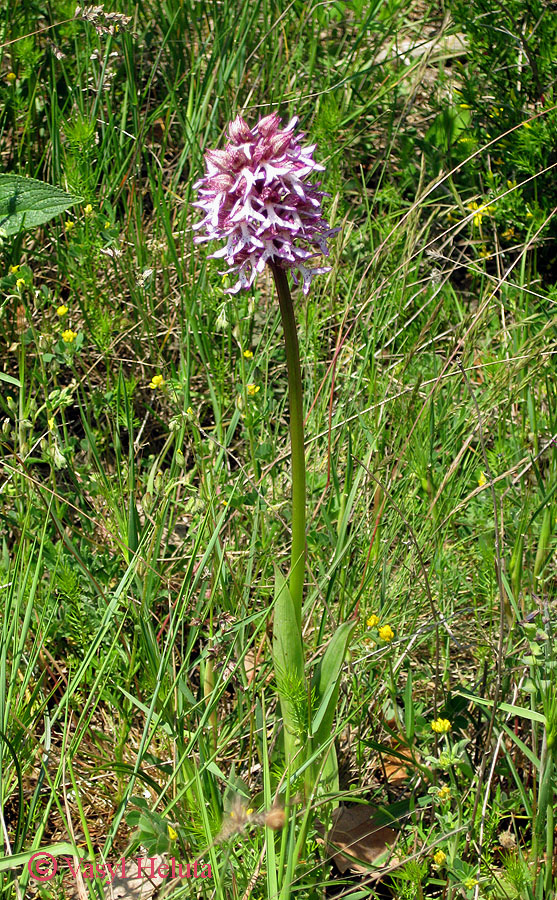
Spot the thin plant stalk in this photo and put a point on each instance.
(298, 550)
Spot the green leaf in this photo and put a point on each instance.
(22, 859)
(326, 681)
(287, 640)
(10, 379)
(288, 661)
(26, 203)
(520, 711)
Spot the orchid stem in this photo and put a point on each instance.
(298, 553)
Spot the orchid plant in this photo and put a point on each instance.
(256, 196)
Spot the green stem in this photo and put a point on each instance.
(298, 555)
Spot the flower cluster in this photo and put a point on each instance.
(441, 726)
(255, 195)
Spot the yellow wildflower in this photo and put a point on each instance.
(189, 411)
(511, 184)
(11, 77)
(14, 269)
(248, 354)
(439, 857)
(469, 883)
(372, 621)
(386, 633)
(69, 225)
(465, 106)
(444, 793)
(482, 479)
(50, 423)
(478, 216)
(252, 389)
(87, 211)
(172, 834)
(483, 252)
(62, 310)
(508, 234)
(441, 726)
(69, 336)
(157, 381)
(526, 125)
(20, 283)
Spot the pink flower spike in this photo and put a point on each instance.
(256, 196)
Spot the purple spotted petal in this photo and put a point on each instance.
(257, 198)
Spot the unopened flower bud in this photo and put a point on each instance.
(238, 131)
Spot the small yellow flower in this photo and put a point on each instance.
(529, 214)
(69, 225)
(14, 269)
(249, 812)
(189, 411)
(482, 480)
(526, 125)
(511, 184)
(439, 857)
(62, 310)
(248, 354)
(444, 793)
(483, 252)
(172, 834)
(11, 77)
(508, 234)
(441, 726)
(107, 225)
(252, 389)
(469, 883)
(69, 336)
(386, 633)
(20, 284)
(478, 216)
(465, 106)
(157, 381)
(87, 211)
(372, 621)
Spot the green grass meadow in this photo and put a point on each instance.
(145, 455)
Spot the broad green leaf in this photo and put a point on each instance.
(26, 203)
(288, 660)
(10, 379)
(326, 681)
(287, 640)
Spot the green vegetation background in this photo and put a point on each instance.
(144, 493)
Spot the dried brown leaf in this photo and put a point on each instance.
(356, 842)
